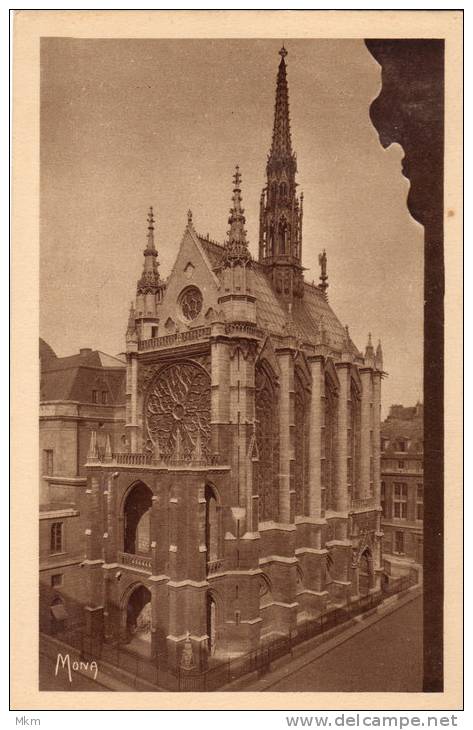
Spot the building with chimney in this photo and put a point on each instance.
(79, 395)
(246, 500)
(402, 489)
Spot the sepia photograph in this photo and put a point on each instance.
(241, 364)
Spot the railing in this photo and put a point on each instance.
(135, 561)
(213, 566)
(132, 459)
(163, 676)
(154, 343)
(126, 458)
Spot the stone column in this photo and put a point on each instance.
(286, 392)
(315, 435)
(132, 398)
(366, 398)
(343, 370)
(377, 436)
(220, 396)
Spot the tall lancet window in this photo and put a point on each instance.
(283, 237)
(268, 443)
(354, 441)
(301, 445)
(329, 431)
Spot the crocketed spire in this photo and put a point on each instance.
(281, 145)
(150, 281)
(236, 247)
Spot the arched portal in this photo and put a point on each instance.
(138, 617)
(137, 512)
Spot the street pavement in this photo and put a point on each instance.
(384, 657)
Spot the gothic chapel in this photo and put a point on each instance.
(244, 498)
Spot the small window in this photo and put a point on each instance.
(420, 492)
(57, 579)
(48, 462)
(154, 331)
(402, 445)
(399, 543)
(95, 396)
(104, 397)
(57, 537)
(420, 511)
(400, 465)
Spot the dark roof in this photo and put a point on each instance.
(409, 428)
(76, 376)
(46, 352)
(309, 315)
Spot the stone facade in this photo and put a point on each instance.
(79, 394)
(402, 489)
(247, 499)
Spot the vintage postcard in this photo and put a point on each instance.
(237, 460)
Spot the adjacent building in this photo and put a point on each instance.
(79, 395)
(244, 497)
(402, 488)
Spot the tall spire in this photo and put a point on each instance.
(236, 245)
(150, 281)
(281, 144)
(280, 240)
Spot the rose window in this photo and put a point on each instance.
(177, 412)
(191, 302)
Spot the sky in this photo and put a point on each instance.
(126, 124)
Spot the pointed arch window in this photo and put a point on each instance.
(329, 430)
(283, 236)
(354, 441)
(211, 525)
(301, 445)
(267, 467)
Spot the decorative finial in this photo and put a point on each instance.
(323, 271)
(150, 281)
(369, 351)
(189, 217)
(379, 356)
(236, 245)
(283, 52)
(237, 177)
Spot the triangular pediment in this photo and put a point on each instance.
(192, 273)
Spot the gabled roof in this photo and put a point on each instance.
(76, 376)
(309, 315)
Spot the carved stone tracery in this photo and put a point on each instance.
(268, 444)
(177, 411)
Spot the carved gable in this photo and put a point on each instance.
(192, 287)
